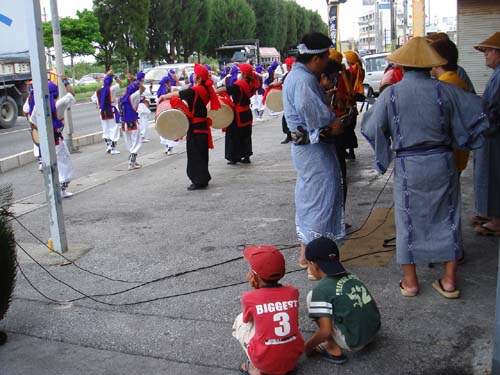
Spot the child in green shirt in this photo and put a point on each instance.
(345, 312)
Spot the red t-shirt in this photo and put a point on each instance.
(277, 344)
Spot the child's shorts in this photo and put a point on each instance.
(243, 332)
(337, 334)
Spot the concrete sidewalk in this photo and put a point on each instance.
(144, 224)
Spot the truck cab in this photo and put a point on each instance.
(238, 51)
(14, 72)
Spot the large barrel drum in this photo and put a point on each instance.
(274, 100)
(221, 118)
(170, 123)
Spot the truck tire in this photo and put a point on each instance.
(8, 112)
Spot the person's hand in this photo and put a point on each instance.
(109, 72)
(63, 76)
(337, 126)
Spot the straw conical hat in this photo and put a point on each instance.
(492, 42)
(417, 53)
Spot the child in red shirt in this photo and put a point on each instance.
(268, 327)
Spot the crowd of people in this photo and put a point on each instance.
(425, 121)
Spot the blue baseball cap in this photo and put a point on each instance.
(325, 253)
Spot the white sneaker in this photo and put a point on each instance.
(137, 165)
(66, 194)
(40, 167)
(114, 152)
(131, 166)
(146, 140)
(108, 150)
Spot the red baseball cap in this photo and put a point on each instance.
(267, 261)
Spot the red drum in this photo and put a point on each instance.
(221, 118)
(170, 123)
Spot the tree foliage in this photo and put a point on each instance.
(172, 30)
(230, 19)
(126, 23)
(79, 36)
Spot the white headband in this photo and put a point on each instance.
(303, 50)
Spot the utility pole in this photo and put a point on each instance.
(56, 31)
(394, 31)
(418, 7)
(44, 122)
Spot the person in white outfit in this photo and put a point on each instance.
(28, 107)
(144, 113)
(58, 106)
(130, 127)
(105, 98)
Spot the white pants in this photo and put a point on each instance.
(243, 332)
(64, 165)
(133, 140)
(143, 125)
(256, 102)
(36, 151)
(168, 142)
(110, 130)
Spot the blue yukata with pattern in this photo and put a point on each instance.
(487, 158)
(318, 192)
(416, 122)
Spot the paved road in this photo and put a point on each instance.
(18, 139)
(143, 224)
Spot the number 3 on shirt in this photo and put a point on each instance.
(284, 326)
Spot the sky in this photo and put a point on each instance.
(348, 16)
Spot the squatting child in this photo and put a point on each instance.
(344, 310)
(268, 327)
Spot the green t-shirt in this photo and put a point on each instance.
(348, 302)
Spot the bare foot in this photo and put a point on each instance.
(409, 288)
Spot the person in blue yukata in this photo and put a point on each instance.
(318, 190)
(416, 122)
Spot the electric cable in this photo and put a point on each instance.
(140, 302)
(373, 204)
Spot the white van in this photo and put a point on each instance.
(374, 70)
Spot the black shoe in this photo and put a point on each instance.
(196, 187)
(245, 160)
(232, 162)
(3, 338)
(350, 155)
(287, 139)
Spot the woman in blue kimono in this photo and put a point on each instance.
(416, 122)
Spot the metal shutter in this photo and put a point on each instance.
(477, 20)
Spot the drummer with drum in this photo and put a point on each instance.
(239, 133)
(193, 102)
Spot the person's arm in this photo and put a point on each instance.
(221, 90)
(168, 96)
(324, 331)
(67, 85)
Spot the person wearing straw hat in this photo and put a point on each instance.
(487, 158)
(415, 122)
(318, 192)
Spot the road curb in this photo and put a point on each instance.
(26, 157)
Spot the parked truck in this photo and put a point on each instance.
(14, 72)
(245, 51)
